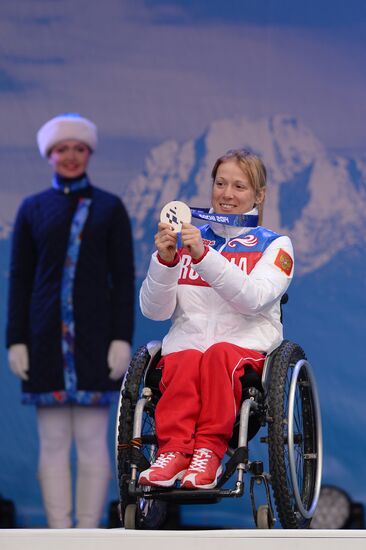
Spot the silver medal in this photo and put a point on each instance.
(175, 213)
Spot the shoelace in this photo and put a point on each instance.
(163, 460)
(200, 459)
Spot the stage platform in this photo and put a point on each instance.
(230, 539)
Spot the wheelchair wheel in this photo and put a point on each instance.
(129, 520)
(294, 437)
(136, 513)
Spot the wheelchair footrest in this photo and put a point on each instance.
(240, 456)
(194, 496)
(137, 457)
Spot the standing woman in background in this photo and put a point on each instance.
(70, 318)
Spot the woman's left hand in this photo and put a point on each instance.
(192, 239)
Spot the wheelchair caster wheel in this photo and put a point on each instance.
(264, 520)
(130, 517)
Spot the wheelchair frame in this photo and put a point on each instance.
(287, 403)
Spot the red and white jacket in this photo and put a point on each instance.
(232, 295)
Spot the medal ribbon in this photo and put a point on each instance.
(237, 220)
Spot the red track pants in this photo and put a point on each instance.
(201, 395)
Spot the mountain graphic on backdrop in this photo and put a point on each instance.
(317, 198)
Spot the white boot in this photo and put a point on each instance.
(57, 499)
(91, 491)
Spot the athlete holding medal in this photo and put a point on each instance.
(221, 286)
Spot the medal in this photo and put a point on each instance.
(175, 213)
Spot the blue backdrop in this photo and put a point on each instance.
(171, 85)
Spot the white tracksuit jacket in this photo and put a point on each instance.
(232, 295)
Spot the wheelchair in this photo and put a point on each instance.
(284, 400)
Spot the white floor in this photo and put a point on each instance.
(120, 539)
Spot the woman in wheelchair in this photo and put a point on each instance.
(221, 286)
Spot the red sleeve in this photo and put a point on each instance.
(169, 264)
(196, 261)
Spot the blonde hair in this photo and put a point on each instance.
(252, 166)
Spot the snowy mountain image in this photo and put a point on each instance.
(171, 86)
(317, 199)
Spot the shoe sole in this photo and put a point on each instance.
(163, 483)
(190, 485)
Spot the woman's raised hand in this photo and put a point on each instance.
(166, 242)
(192, 240)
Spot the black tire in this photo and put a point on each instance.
(150, 514)
(305, 446)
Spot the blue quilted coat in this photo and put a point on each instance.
(71, 292)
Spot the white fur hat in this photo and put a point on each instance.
(66, 126)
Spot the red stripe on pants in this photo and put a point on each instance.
(201, 395)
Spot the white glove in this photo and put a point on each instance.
(119, 357)
(18, 360)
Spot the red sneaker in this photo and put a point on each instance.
(167, 468)
(204, 470)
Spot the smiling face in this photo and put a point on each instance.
(232, 191)
(69, 158)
